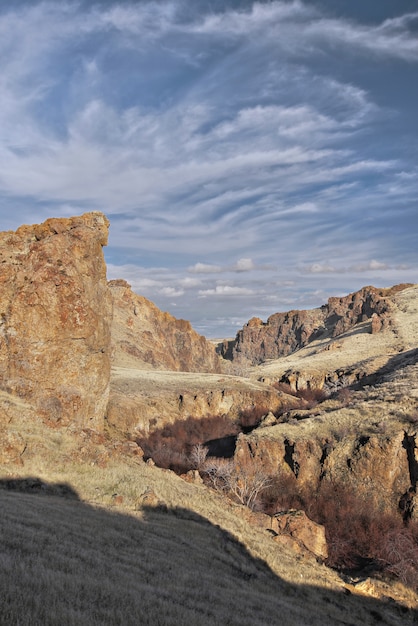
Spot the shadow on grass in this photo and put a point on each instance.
(63, 561)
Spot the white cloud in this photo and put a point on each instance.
(320, 268)
(226, 290)
(205, 268)
(244, 265)
(171, 292)
(370, 265)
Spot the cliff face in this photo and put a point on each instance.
(283, 333)
(144, 337)
(365, 441)
(55, 314)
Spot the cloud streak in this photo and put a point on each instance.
(241, 154)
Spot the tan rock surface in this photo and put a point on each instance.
(355, 355)
(369, 445)
(284, 333)
(304, 531)
(55, 313)
(144, 337)
(145, 400)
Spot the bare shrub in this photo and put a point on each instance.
(198, 455)
(170, 447)
(217, 472)
(284, 388)
(398, 552)
(344, 396)
(312, 396)
(412, 418)
(281, 494)
(242, 484)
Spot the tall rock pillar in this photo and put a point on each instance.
(55, 317)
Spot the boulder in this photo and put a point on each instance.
(306, 534)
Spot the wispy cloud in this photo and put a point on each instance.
(242, 154)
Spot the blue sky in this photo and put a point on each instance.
(252, 157)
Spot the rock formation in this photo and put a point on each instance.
(283, 333)
(55, 314)
(142, 401)
(294, 528)
(368, 445)
(144, 337)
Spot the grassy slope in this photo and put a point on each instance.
(183, 556)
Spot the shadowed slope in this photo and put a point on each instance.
(66, 562)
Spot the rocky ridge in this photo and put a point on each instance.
(284, 333)
(55, 354)
(144, 337)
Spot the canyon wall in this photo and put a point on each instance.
(283, 333)
(55, 316)
(145, 337)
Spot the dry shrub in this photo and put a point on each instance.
(344, 396)
(170, 447)
(242, 484)
(281, 494)
(358, 535)
(284, 388)
(312, 396)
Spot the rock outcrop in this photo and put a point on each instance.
(366, 445)
(295, 529)
(144, 337)
(55, 315)
(142, 401)
(283, 333)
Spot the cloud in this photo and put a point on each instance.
(371, 265)
(171, 292)
(326, 268)
(204, 268)
(320, 268)
(256, 149)
(225, 290)
(244, 265)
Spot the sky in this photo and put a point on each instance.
(252, 157)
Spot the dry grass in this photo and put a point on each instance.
(66, 562)
(142, 546)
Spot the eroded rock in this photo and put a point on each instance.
(305, 533)
(143, 336)
(55, 312)
(283, 333)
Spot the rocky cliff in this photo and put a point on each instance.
(144, 337)
(283, 333)
(364, 440)
(55, 315)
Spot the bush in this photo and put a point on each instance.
(357, 534)
(171, 446)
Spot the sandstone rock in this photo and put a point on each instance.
(143, 336)
(375, 467)
(306, 533)
(283, 333)
(55, 312)
(145, 400)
